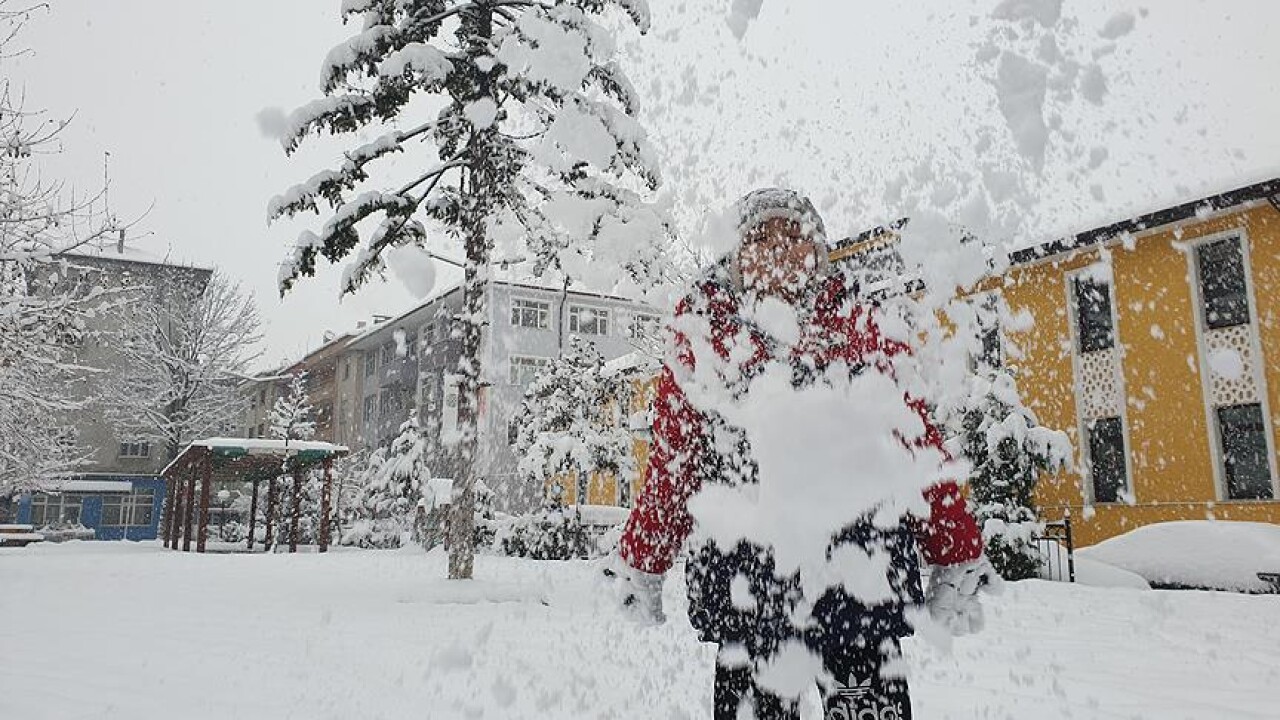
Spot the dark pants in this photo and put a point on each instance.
(860, 693)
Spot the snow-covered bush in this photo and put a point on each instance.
(570, 423)
(1007, 450)
(555, 532)
(391, 485)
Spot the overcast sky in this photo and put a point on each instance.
(832, 101)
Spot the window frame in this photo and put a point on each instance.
(536, 362)
(651, 321)
(1125, 489)
(1226, 439)
(521, 305)
(1204, 298)
(134, 450)
(600, 312)
(1085, 334)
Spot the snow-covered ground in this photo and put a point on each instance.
(98, 630)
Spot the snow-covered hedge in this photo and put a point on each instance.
(561, 533)
(1208, 554)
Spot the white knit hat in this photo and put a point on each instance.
(758, 206)
(766, 204)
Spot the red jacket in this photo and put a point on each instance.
(660, 521)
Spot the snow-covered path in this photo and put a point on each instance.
(97, 630)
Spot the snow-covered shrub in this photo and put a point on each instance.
(553, 533)
(233, 532)
(1007, 449)
(570, 423)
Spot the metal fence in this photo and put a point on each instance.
(1058, 550)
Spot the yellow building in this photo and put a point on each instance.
(1156, 347)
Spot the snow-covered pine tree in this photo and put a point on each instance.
(1008, 450)
(392, 483)
(533, 158)
(291, 416)
(570, 422)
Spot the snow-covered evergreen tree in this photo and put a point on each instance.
(291, 418)
(1008, 450)
(392, 482)
(532, 158)
(571, 423)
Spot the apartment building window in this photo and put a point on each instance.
(128, 509)
(534, 314)
(135, 449)
(411, 345)
(1107, 468)
(370, 363)
(586, 320)
(346, 369)
(583, 480)
(525, 369)
(388, 353)
(370, 408)
(1224, 290)
(643, 325)
(442, 326)
(1093, 315)
(428, 334)
(1245, 463)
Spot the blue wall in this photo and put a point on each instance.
(91, 510)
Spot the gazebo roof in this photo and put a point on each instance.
(249, 457)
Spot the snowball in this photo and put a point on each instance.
(741, 13)
(1119, 25)
(839, 441)
(1227, 363)
(481, 113)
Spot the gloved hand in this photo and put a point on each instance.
(953, 594)
(638, 592)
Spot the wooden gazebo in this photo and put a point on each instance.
(250, 460)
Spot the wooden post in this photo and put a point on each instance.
(253, 513)
(325, 492)
(169, 492)
(206, 464)
(296, 512)
(179, 507)
(270, 513)
(188, 514)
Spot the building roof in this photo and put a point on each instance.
(247, 456)
(126, 254)
(1266, 190)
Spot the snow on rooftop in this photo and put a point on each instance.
(127, 253)
(268, 445)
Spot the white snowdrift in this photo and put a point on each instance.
(367, 634)
(1089, 571)
(1213, 554)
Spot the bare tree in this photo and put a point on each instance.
(44, 303)
(185, 353)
